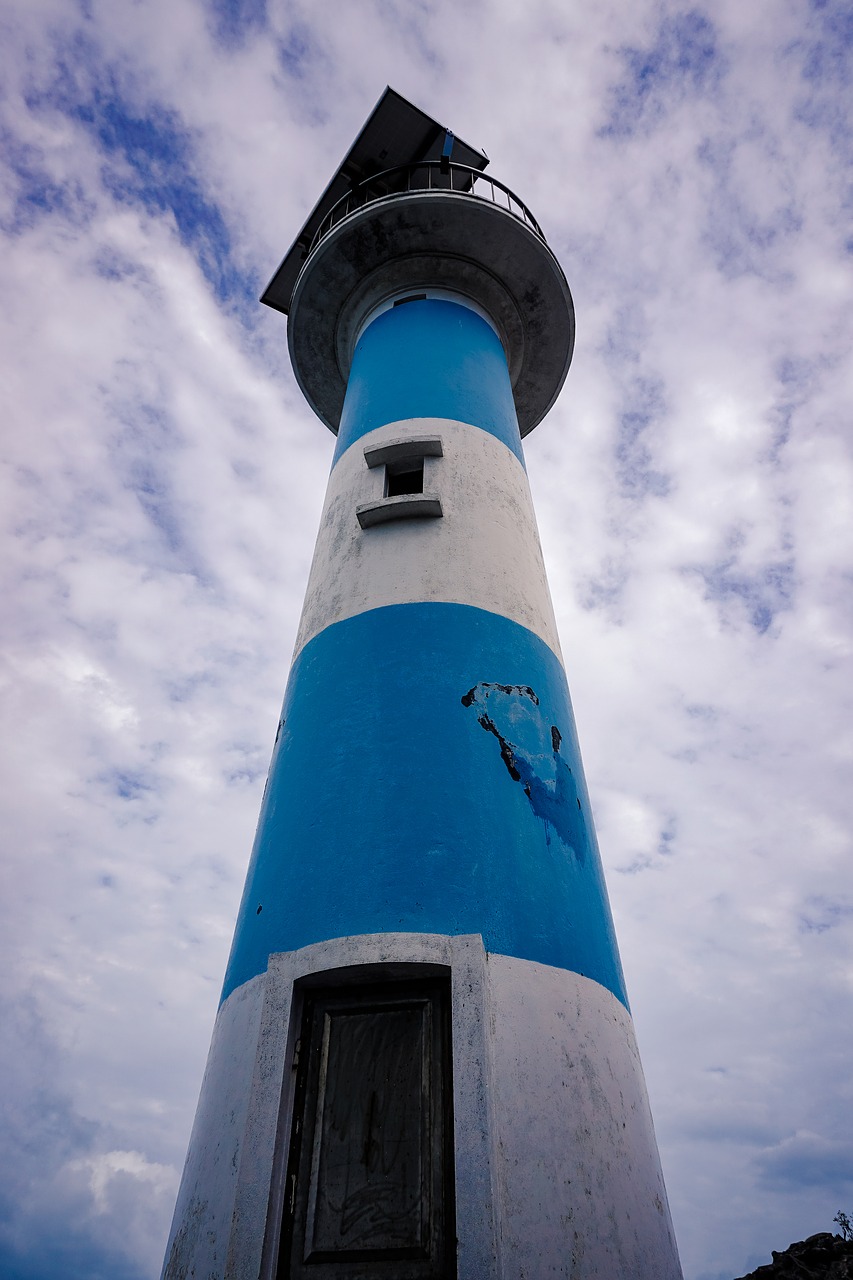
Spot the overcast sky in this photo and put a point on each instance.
(161, 488)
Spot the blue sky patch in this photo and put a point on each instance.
(37, 193)
(294, 50)
(762, 593)
(821, 914)
(154, 496)
(824, 57)
(149, 162)
(637, 475)
(70, 1252)
(808, 1159)
(667, 836)
(54, 1234)
(126, 784)
(142, 452)
(797, 379)
(604, 589)
(683, 59)
(234, 22)
(829, 56)
(742, 241)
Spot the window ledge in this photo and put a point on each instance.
(377, 455)
(406, 506)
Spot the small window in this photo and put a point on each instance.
(370, 1177)
(406, 476)
(404, 496)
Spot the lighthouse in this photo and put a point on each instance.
(423, 1065)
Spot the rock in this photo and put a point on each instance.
(821, 1257)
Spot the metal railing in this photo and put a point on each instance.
(426, 175)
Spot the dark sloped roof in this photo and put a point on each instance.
(396, 133)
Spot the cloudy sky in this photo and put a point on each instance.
(161, 487)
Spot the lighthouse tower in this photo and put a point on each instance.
(424, 1065)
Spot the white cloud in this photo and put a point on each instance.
(103, 1171)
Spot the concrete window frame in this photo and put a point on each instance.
(395, 456)
(263, 1151)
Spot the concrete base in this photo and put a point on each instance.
(578, 1186)
(557, 1171)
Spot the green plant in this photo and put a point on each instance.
(845, 1224)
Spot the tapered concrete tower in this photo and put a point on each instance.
(424, 1065)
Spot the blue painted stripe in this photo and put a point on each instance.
(427, 778)
(430, 359)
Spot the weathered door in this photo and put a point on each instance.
(370, 1179)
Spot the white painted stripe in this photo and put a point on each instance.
(202, 1225)
(578, 1183)
(484, 550)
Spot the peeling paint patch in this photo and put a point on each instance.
(548, 782)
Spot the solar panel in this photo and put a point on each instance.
(396, 133)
